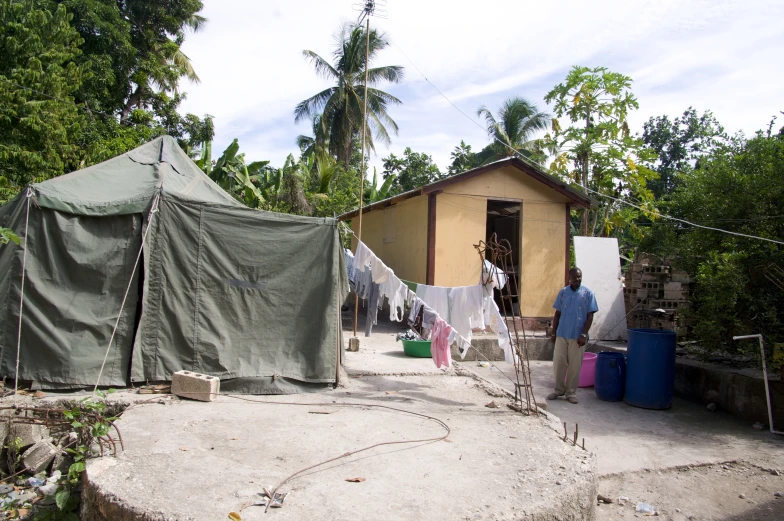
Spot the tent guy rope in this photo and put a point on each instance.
(21, 293)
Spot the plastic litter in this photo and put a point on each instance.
(645, 508)
(35, 482)
(482, 363)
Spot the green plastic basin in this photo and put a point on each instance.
(417, 348)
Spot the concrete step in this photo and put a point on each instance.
(485, 347)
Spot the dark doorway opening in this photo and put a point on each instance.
(503, 219)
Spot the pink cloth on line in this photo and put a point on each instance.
(439, 343)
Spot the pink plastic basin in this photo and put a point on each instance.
(588, 370)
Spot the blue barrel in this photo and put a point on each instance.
(650, 368)
(610, 377)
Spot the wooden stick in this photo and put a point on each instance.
(576, 430)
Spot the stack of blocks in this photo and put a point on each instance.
(196, 386)
(651, 284)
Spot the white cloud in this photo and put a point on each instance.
(710, 54)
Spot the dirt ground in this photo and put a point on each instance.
(734, 491)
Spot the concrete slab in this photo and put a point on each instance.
(198, 461)
(627, 438)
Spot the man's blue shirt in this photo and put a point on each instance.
(574, 307)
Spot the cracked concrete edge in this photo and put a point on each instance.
(550, 420)
(693, 466)
(494, 389)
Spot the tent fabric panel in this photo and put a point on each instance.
(12, 216)
(166, 327)
(104, 189)
(234, 293)
(77, 270)
(127, 183)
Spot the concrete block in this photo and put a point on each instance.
(676, 294)
(28, 432)
(62, 462)
(39, 456)
(196, 386)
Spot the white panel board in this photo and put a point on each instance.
(600, 263)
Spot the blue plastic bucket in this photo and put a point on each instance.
(650, 368)
(610, 377)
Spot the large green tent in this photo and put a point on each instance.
(220, 288)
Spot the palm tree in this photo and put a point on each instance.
(341, 105)
(518, 121)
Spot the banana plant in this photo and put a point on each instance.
(234, 175)
(374, 193)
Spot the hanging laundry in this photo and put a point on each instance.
(436, 297)
(411, 285)
(350, 271)
(492, 275)
(379, 270)
(498, 324)
(395, 292)
(416, 308)
(463, 346)
(363, 283)
(465, 309)
(429, 317)
(410, 296)
(371, 319)
(439, 343)
(362, 256)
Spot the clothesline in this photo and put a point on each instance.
(450, 313)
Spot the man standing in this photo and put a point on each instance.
(574, 309)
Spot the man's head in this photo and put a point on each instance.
(575, 278)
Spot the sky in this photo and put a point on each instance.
(722, 56)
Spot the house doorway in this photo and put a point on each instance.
(503, 219)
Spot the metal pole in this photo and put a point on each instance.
(764, 376)
(362, 172)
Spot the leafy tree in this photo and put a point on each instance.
(132, 50)
(413, 170)
(462, 159)
(738, 187)
(597, 151)
(518, 121)
(39, 123)
(679, 144)
(340, 107)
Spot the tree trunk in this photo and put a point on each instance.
(135, 99)
(586, 156)
(586, 212)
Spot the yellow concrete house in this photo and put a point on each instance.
(427, 235)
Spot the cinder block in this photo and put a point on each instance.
(39, 456)
(195, 386)
(28, 432)
(675, 286)
(676, 295)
